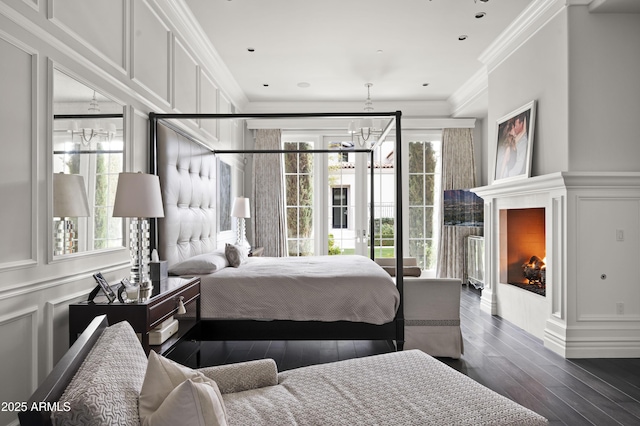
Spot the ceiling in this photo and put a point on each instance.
(408, 49)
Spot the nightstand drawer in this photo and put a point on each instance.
(167, 306)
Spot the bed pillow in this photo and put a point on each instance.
(191, 403)
(161, 378)
(206, 263)
(236, 255)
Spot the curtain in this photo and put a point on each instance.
(269, 215)
(458, 172)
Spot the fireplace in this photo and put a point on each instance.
(586, 225)
(523, 249)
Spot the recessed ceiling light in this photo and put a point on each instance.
(462, 37)
(425, 84)
(480, 15)
(265, 85)
(251, 49)
(379, 51)
(304, 84)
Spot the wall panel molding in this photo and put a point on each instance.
(151, 71)
(29, 313)
(185, 78)
(17, 72)
(29, 287)
(52, 308)
(118, 60)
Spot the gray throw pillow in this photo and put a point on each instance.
(236, 255)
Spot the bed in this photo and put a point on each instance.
(187, 172)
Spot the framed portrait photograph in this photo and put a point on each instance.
(514, 133)
(104, 285)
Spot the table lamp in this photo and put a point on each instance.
(69, 200)
(240, 210)
(138, 197)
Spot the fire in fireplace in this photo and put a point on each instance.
(535, 271)
(522, 233)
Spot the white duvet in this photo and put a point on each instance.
(316, 288)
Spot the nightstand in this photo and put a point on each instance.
(256, 251)
(144, 316)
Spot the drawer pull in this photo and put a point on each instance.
(181, 308)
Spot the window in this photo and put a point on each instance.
(298, 170)
(424, 201)
(340, 207)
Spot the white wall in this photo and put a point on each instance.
(131, 52)
(604, 88)
(536, 70)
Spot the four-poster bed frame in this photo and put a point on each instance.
(302, 330)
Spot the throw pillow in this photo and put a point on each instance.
(191, 403)
(236, 255)
(206, 263)
(161, 378)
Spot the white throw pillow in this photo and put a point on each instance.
(206, 263)
(191, 403)
(161, 378)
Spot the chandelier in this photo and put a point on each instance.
(365, 129)
(97, 130)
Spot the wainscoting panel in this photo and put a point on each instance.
(151, 51)
(98, 25)
(185, 79)
(56, 320)
(208, 103)
(608, 243)
(19, 89)
(19, 367)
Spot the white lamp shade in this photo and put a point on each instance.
(138, 195)
(69, 196)
(366, 123)
(240, 207)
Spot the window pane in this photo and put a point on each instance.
(305, 222)
(292, 222)
(305, 190)
(416, 190)
(429, 190)
(292, 193)
(429, 158)
(416, 222)
(415, 157)
(428, 222)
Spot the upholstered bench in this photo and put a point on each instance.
(105, 379)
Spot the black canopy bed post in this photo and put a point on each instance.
(215, 328)
(153, 169)
(372, 228)
(399, 231)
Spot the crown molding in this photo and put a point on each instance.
(190, 30)
(534, 17)
(471, 95)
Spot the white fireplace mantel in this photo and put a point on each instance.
(592, 231)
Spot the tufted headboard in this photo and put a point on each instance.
(188, 180)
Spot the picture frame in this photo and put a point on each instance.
(104, 285)
(514, 143)
(224, 196)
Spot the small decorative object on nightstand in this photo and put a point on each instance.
(175, 296)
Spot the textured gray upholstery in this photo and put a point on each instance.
(188, 179)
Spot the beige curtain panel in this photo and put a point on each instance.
(458, 172)
(269, 215)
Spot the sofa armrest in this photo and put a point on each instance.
(243, 376)
(432, 298)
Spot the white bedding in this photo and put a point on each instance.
(316, 288)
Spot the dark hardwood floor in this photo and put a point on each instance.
(497, 354)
